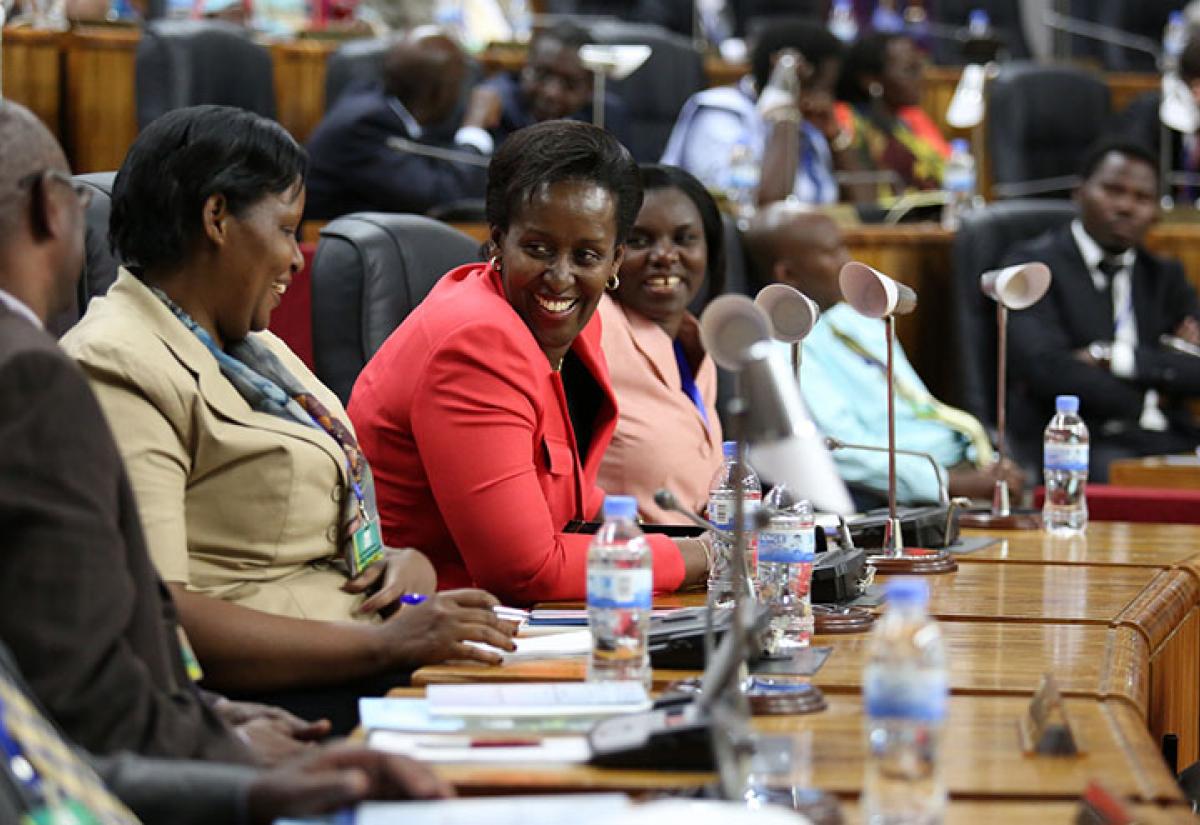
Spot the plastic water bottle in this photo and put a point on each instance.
(521, 20)
(958, 180)
(742, 185)
(1065, 467)
(916, 24)
(905, 691)
(787, 548)
(1174, 40)
(979, 25)
(619, 585)
(885, 19)
(842, 24)
(722, 498)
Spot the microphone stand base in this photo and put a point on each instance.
(914, 561)
(984, 520)
(831, 620)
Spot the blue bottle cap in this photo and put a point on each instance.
(1067, 403)
(729, 448)
(960, 145)
(1175, 18)
(978, 19)
(908, 591)
(620, 507)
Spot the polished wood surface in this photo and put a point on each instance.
(100, 121)
(1177, 472)
(981, 754)
(985, 658)
(997, 812)
(1104, 544)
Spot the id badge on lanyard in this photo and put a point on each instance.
(366, 543)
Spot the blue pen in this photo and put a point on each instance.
(413, 598)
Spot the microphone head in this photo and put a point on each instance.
(1017, 287)
(729, 326)
(665, 499)
(874, 294)
(792, 313)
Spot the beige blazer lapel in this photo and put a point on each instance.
(659, 351)
(216, 390)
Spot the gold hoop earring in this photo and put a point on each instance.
(613, 282)
(494, 263)
(875, 90)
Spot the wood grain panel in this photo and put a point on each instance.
(32, 74)
(1105, 544)
(1175, 688)
(101, 121)
(300, 84)
(1175, 472)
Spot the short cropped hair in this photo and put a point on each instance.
(178, 162)
(561, 150)
(656, 176)
(812, 40)
(1105, 146)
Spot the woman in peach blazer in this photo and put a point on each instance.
(668, 433)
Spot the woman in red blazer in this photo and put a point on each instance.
(486, 414)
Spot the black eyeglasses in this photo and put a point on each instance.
(81, 190)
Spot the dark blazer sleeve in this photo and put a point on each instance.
(1173, 299)
(178, 792)
(69, 600)
(352, 156)
(1043, 340)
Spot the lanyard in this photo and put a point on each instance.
(688, 382)
(19, 767)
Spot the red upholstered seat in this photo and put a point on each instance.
(1142, 504)
(292, 320)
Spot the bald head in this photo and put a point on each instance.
(26, 146)
(798, 245)
(426, 71)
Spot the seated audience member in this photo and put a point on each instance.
(127, 789)
(80, 605)
(78, 598)
(843, 379)
(881, 118)
(250, 483)
(355, 168)
(487, 412)
(553, 85)
(1097, 332)
(715, 121)
(1142, 123)
(668, 433)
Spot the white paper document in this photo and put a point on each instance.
(537, 699)
(462, 749)
(548, 646)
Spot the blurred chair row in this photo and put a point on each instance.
(371, 269)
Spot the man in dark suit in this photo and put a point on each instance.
(1099, 332)
(355, 165)
(81, 607)
(554, 84)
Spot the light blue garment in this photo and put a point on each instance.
(847, 396)
(714, 121)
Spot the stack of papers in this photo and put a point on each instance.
(447, 748)
(548, 646)
(538, 699)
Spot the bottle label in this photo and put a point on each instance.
(721, 510)
(1071, 457)
(787, 546)
(620, 588)
(905, 693)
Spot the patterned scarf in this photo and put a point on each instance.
(267, 386)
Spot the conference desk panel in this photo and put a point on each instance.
(985, 659)
(31, 73)
(1105, 544)
(981, 754)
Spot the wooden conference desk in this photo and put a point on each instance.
(1114, 616)
(1179, 472)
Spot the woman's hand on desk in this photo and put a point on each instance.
(403, 570)
(437, 630)
(272, 733)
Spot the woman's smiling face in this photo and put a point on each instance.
(555, 258)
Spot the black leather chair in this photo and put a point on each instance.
(191, 62)
(658, 89)
(100, 264)
(370, 270)
(1041, 120)
(982, 241)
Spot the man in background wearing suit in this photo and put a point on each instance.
(353, 166)
(80, 604)
(1098, 333)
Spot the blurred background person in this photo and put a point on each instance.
(880, 117)
(353, 166)
(553, 84)
(486, 414)
(843, 377)
(668, 433)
